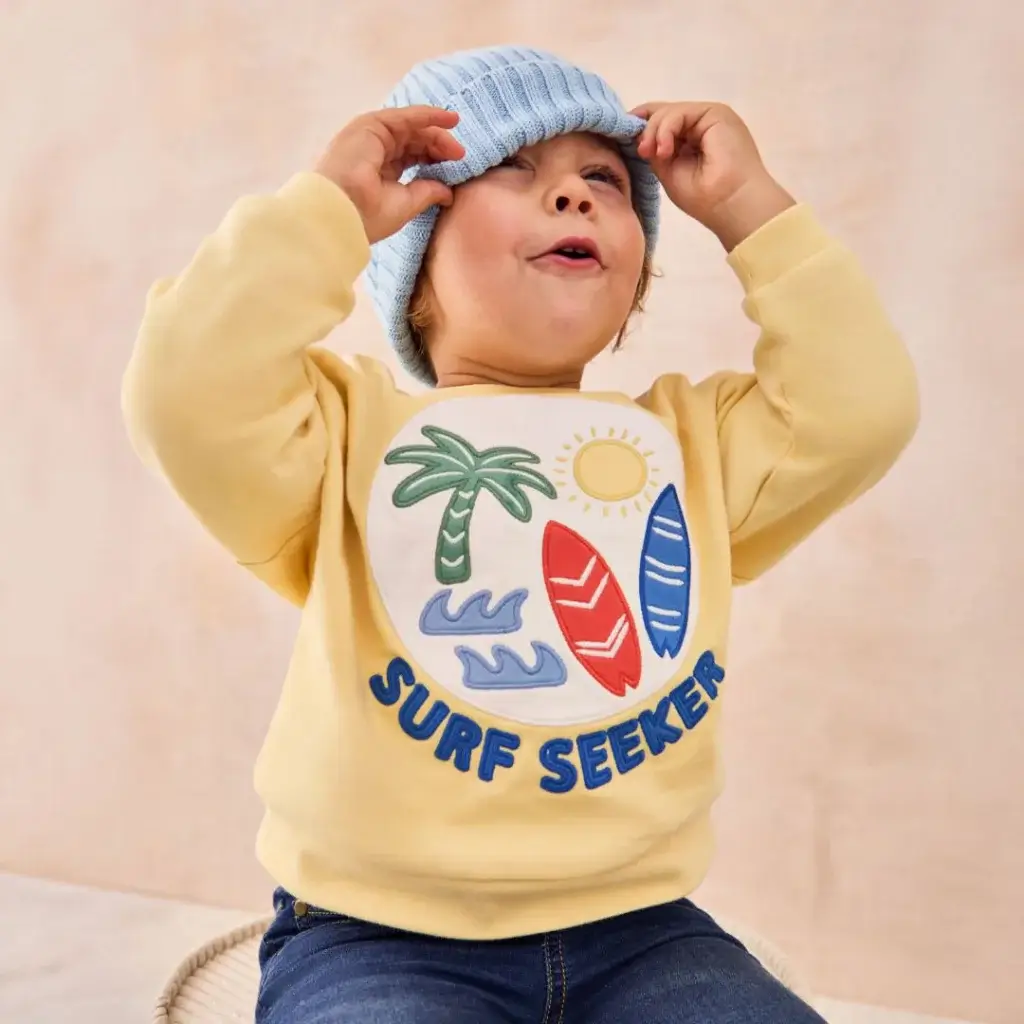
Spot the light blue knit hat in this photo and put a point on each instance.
(507, 97)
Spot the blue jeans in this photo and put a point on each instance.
(666, 965)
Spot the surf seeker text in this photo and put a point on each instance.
(592, 758)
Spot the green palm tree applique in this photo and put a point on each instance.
(452, 463)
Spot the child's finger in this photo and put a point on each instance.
(647, 143)
(643, 142)
(645, 110)
(418, 117)
(670, 129)
(441, 145)
(429, 146)
(423, 193)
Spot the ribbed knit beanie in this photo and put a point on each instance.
(507, 98)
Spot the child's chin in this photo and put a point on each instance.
(561, 344)
(573, 326)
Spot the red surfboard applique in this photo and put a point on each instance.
(591, 609)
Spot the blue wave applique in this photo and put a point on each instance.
(665, 575)
(473, 617)
(509, 671)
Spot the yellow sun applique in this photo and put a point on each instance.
(608, 470)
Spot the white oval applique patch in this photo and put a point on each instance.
(533, 555)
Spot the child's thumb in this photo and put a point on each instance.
(424, 193)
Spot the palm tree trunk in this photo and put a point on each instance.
(451, 557)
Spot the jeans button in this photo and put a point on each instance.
(301, 909)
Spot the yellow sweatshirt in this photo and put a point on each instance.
(501, 714)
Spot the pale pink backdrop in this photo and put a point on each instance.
(873, 821)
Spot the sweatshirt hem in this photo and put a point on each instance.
(475, 910)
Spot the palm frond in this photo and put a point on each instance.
(507, 484)
(428, 481)
(505, 456)
(453, 445)
(512, 499)
(521, 476)
(423, 455)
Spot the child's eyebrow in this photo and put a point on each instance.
(610, 148)
(593, 146)
(610, 145)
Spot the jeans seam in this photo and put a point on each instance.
(565, 980)
(548, 974)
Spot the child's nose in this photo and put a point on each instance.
(570, 194)
(563, 203)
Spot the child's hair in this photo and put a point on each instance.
(421, 310)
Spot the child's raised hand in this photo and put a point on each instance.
(368, 156)
(709, 165)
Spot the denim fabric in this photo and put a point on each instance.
(665, 965)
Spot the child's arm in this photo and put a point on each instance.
(223, 394)
(833, 397)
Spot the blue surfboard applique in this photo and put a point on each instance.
(665, 575)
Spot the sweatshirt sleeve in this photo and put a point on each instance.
(222, 395)
(832, 400)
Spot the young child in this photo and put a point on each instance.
(489, 777)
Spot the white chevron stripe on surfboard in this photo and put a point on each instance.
(607, 648)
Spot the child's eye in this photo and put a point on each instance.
(608, 175)
(512, 161)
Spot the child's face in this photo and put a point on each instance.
(500, 308)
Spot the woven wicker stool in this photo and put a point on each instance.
(218, 982)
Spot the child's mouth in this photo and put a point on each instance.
(574, 260)
(578, 254)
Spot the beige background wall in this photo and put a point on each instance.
(874, 821)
